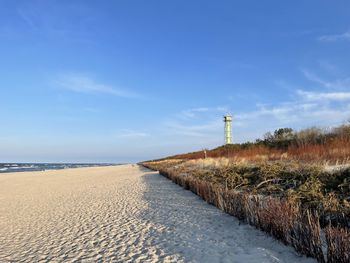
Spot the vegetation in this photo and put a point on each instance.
(287, 184)
(330, 146)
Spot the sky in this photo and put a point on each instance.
(127, 80)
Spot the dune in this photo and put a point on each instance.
(121, 214)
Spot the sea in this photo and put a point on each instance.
(25, 167)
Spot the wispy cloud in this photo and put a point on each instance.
(194, 130)
(28, 18)
(319, 96)
(85, 84)
(196, 126)
(307, 109)
(327, 104)
(314, 78)
(131, 134)
(336, 37)
(340, 83)
(66, 22)
(195, 112)
(275, 115)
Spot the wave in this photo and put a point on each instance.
(25, 167)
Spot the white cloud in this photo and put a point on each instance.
(318, 96)
(131, 134)
(307, 109)
(307, 104)
(341, 83)
(84, 84)
(202, 122)
(191, 113)
(325, 107)
(195, 112)
(336, 37)
(279, 114)
(314, 78)
(310, 108)
(196, 130)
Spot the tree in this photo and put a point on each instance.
(283, 134)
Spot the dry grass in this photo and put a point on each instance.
(335, 152)
(313, 144)
(338, 242)
(283, 199)
(283, 219)
(270, 184)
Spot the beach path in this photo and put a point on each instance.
(121, 214)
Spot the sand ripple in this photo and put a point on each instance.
(120, 214)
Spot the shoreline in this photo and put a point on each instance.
(83, 165)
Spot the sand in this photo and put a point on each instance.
(121, 214)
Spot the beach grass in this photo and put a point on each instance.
(293, 185)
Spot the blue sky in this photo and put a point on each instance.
(121, 81)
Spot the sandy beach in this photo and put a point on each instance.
(121, 214)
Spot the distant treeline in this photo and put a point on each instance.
(312, 144)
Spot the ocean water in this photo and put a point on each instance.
(25, 167)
